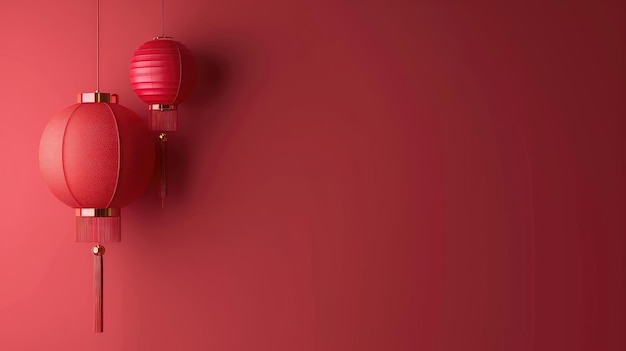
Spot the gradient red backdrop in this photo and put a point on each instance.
(348, 175)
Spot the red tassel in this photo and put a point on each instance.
(98, 229)
(163, 192)
(163, 119)
(98, 271)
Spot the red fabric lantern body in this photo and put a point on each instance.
(96, 157)
(163, 74)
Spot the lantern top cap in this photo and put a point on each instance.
(163, 38)
(97, 96)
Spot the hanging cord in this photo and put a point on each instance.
(163, 18)
(98, 48)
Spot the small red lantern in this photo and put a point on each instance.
(163, 74)
(97, 156)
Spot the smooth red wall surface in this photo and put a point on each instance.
(348, 175)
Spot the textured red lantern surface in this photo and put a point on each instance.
(163, 74)
(96, 157)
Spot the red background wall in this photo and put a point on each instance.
(349, 175)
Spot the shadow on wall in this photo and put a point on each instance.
(197, 120)
(202, 119)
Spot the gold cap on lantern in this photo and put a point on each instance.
(97, 96)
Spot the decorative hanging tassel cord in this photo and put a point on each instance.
(98, 270)
(163, 144)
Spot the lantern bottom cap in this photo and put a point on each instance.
(98, 212)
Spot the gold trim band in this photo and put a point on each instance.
(158, 107)
(97, 97)
(98, 212)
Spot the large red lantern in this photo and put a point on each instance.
(163, 74)
(97, 156)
